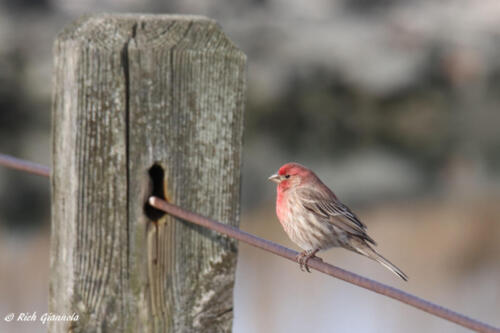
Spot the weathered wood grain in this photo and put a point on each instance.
(131, 91)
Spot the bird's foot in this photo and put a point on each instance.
(303, 258)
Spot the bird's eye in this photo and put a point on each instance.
(287, 176)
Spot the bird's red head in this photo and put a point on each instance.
(291, 174)
(293, 169)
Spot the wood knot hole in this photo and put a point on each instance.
(156, 182)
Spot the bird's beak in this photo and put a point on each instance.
(275, 178)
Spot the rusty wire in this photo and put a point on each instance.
(22, 165)
(287, 253)
(323, 267)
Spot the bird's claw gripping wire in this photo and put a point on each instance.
(303, 258)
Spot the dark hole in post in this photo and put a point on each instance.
(157, 176)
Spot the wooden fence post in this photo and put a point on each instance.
(144, 104)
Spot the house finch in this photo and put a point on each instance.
(315, 219)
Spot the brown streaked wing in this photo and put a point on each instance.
(334, 211)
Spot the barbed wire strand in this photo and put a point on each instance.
(22, 165)
(284, 252)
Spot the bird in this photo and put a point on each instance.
(315, 219)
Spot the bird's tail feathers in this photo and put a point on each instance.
(369, 252)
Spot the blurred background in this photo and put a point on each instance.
(395, 104)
